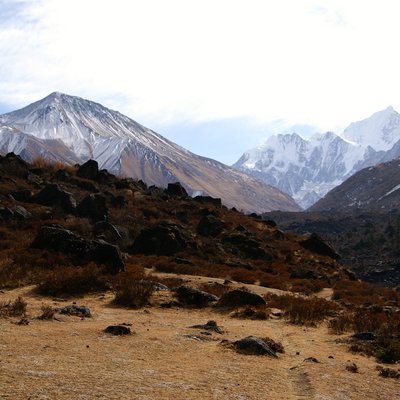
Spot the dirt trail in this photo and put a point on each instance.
(165, 359)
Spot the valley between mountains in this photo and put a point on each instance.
(113, 289)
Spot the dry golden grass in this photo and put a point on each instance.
(74, 358)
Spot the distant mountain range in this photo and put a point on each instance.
(72, 130)
(307, 169)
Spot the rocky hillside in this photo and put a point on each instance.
(52, 216)
(72, 130)
(371, 189)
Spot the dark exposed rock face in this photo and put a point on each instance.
(88, 170)
(176, 189)
(21, 213)
(194, 297)
(14, 165)
(253, 345)
(107, 229)
(93, 207)
(239, 298)
(317, 245)
(57, 238)
(209, 225)
(208, 200)
(6, 214)
(52, 195)
(164, 239)
(249, 246)
(22, 194)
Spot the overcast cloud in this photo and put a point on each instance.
(181, 65)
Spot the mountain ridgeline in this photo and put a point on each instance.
(72, 130)
(308, 169)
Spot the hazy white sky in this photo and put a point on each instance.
(213, 75)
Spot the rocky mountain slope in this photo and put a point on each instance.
(371, 189)
(71, 129)
(307, 169)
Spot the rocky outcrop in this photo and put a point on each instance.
(93, 207)
(56, 238)
(52, 195)
(190, 296)
(318, 245)
(163, 239)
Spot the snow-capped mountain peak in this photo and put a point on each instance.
(72, 129)
(380, 131)
(308, 168)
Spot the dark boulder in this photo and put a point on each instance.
(88, 170)
(52, 195)
(108, 254)
(164, 239)
(14, 165)
(21, 213)
(118, 330)
(209, 326)
(208, 200)
(209, 225)
(79, 311)
(108, 230)
(93, 207)
(22, 195)
(190, 296)
(61, 175)
(6, 214)
(318, 245)
(56, 238)
(249, 246)
(252, 345)
(240, 298)
(176, 189)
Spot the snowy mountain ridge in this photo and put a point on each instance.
(308, 168)
(72, 130)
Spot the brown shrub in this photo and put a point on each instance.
(13, 309)
(301, 310)
(48, 313)
(73, 281)
(341, 324)
(133, 293)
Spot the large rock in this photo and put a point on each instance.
(190, 296)
(209, 200)
(318, 245)
(108, 230)
(93, 207)
(14, 165)
(239, 298)
(53, 195)
(209, 225)
(22, 194)
(6, 214)
(249, 246)
(56, 238)
(253, 345)
(176, 189)
(164, 239)
(88, 170)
